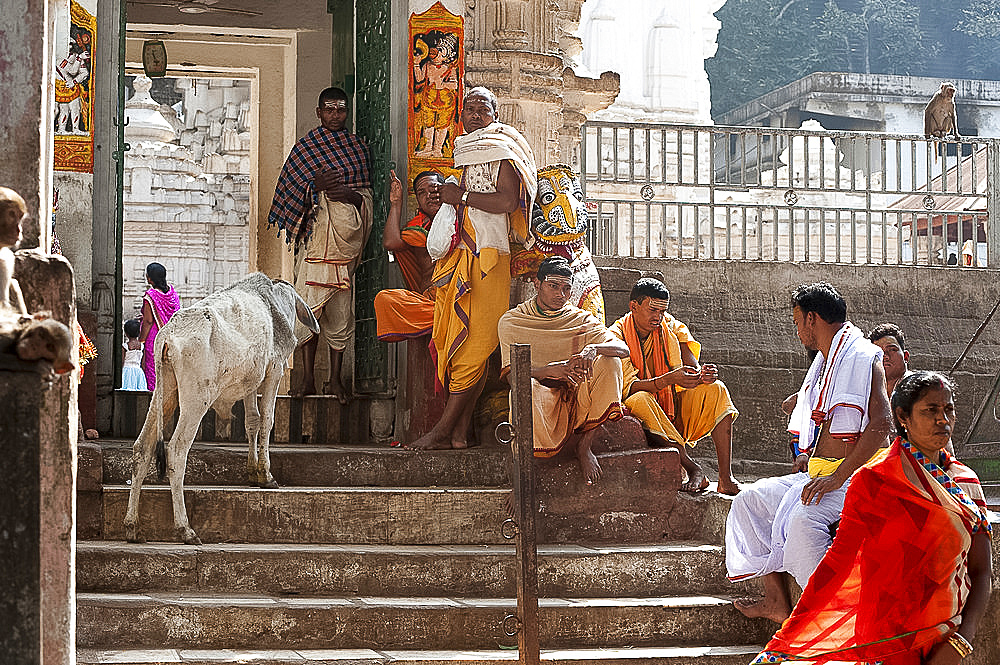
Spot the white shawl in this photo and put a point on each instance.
(846, 380)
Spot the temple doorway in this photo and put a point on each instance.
(186, 187)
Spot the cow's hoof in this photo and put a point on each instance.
(189, 537)
(132, 535)
(269, 485)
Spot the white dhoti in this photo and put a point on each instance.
(325, 275)
(769, 530)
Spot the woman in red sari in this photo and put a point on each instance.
(907, 578)
(159, 303)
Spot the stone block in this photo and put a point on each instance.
(89, 485)
(632, 502)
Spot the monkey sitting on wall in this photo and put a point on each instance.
(13, 211)
(37, 337)
(940, 118)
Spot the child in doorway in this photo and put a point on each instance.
(133, 377)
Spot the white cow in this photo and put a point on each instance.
(225, 348)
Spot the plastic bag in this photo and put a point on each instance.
(443, 234)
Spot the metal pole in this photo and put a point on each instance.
(525, 504)
(992, 206)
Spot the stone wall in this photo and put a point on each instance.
(740, 312)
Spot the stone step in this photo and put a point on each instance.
(317, 419)
(718, 655)
(393, 516)
(408, 570)
(635, 501)
(328, 466)
(192, 621)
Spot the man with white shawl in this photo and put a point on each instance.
(842, 416)
(472, 280)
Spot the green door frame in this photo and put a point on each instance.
(364, 30)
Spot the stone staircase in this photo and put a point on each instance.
(376, 555)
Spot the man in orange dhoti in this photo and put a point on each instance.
(472, 280)
(576, 374)
(406, 313)
(677, 400)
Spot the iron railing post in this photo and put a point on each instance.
(525, 504)
(992, 206)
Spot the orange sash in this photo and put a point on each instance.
(664, 396)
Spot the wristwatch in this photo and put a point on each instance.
(465, 197)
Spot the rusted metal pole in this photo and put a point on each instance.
(525, 504)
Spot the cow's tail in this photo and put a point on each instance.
(161, 448)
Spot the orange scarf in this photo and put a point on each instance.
(664, 396)
(894, 582)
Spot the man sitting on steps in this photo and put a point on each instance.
(677, 400)
(842, 415)
(576, 374)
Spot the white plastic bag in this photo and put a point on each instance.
(444, 228)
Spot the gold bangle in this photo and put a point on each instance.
(960, 644)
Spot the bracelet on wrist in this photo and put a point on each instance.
(960, 644)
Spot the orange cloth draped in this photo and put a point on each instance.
(414, 234)
(402, 314)
(560, 410)
(665, 355)
(895, 580)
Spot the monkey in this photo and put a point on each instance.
(13, 212)
(37, 337)
(940, 118)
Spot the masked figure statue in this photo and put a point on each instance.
(559, 224)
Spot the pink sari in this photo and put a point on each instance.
(163, 306)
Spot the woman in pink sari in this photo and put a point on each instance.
(159, 303)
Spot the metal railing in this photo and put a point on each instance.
(762, 193)
(521, 525)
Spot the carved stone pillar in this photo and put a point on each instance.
(510, 33)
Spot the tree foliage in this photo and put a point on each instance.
(764, 44)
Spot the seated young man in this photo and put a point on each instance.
(677, 400)
(406, 313)
(576, 374)
(841, 415)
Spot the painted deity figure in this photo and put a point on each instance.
(435, 84)
(72, 77)
(559, 222)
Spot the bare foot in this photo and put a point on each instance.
(589, 466)
(728, 486)
(459, 444)
(696, 482)
(429, 441)
(336, 389)
(768, 608)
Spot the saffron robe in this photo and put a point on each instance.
(559, 409)
(406, 313)
(472, 281)
(674, 413)
(895, 580)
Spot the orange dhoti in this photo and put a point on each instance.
(403, 314)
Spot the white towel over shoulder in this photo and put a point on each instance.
(836, 391)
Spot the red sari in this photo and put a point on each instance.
(895, 580)
(163, 306)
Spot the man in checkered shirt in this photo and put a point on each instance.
(323, 205)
